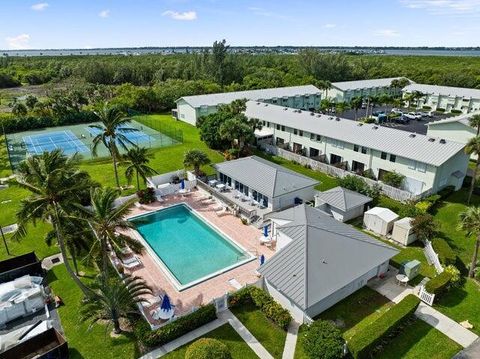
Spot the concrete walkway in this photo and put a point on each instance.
(390, 289)
(251, 341)
(291, 341)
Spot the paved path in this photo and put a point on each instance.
(187, 338)
(390, 289)
(291, 341)
(251, 341)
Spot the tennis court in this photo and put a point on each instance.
(47, 142)
(137, 137)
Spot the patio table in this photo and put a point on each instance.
(402, 279)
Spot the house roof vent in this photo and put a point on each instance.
(443, 141)
(375, 128)
(412, 135)
(431, 139)
(266, 105)
(337, 119)
(330, 118)
(285, 108)
(312, 113)
(360, 124)
(319, 115)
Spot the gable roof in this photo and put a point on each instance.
(380, 138)
(363, 84)
(215, 99)
(343, 198)
(264, 176)
(444, 90)
(463, 119)
(323, 256)
(383, 213)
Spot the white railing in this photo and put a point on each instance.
(392, 192)
(425, 296)
(432, 257)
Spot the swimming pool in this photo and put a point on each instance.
(189, 248)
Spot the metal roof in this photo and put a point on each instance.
(383, 213)
(364, 84)
(444, 90)
(215, 99)
(463, 118)
(323, 256)
(264, 176)
(343, 198)
(401, 143)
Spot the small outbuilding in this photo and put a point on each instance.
(403, 232)
(343, 204)
(379, 220)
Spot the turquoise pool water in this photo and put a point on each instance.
(189, 247)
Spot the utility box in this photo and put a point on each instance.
(411, 269)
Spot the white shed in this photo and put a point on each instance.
(379, 220)
(402, 231)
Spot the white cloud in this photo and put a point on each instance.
(387, 33)
(19, 42)
(40, 6)
(184, 16)
(445, 7)
(104, 13)
(266, 13)
(329, 26)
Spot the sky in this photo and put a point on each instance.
(87, 24)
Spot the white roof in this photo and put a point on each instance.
(384, 213)
(215, 99)
(380, 138)
(364, 84)
(444, 90)
(463, 118)
(405, 222)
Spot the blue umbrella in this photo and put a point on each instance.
(265, 231)
(166, 305)
(182, 184)
(262, 259)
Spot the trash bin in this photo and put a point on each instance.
(411, 269)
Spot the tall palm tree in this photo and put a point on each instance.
(137, 159)
(195, 158)
(105, 219)
(474, 121)
(470, 222)
(112, 129)
(57, 186)
(356, 104)
(114, 299)
(473, 148)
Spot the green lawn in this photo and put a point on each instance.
(268, 334)
(11, 198)
(85, 342)
(227, 335)
(5, 169)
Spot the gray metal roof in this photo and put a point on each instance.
(379, 138)
(323, 256)
(444, 90)
(215, 99)
(342, 198)
(364, 84)
(463, 119)
(264, 176)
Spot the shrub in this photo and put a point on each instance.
(433, 199)
(439, 109)
(259, 297)
(446, 255)
(146, 196)
(363, 343)
(455, 111)
(240, 297)
(447, 191)
(424, 226)
(439, 283)
(175, 329)
(358, 184)
(423, 206)
(393, 179)
(427, 107)
(207, 348)
(323, 340)
(456, 278)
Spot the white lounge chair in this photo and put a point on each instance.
(159, 198)
(131, 262)
(138, 205)
(265, 240)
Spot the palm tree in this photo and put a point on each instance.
(195, 158)
(137, 159)
(57, 186)
(105, 218)
(470, 222)
(114, 299)
(473, 148)
(112, 133)
(356, 104)
(474, 121)
(324, 85)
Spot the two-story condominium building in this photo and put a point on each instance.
(446, 97)
(428, 163)
(191, 108)
(345, 91)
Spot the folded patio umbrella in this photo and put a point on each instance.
(265, 231)
(262, 259)
(182, 184)
(166, 305)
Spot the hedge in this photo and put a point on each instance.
(363, 344)
(175, 329)
(265, 302)
(439, 283)
(446, 255)
(207, 348)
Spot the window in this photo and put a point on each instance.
(338, 143)
(300, 132)
(393, 158)
(364, 150)
(418, 166)
(295, 132)
(383, 156)
(278, 127)
(312, 136)
(319, 138)
(356, 148)
(283, 128)
(268, 124)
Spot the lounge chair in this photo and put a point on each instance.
(138, 205)
(131, 262)
(159, 198)
(264, 240)
(222, 212)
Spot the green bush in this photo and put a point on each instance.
(455, 111)
(439, 109)
(456, 278)
(433, 199)
(259, 297)
(175, 329)
(323, 340)
(393, 179)
(363, 343)
(439, 283)
(240, 297)
(146, 196)
(207, 348)
(423, 206)
(427, 107)
(446, 255)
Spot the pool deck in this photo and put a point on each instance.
(204, 292)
